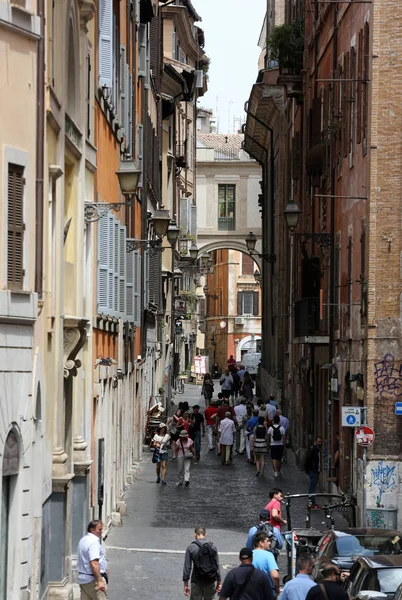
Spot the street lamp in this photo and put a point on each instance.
(205, 258)
(251, 241)
(128, 176)
(160, 222)
(162, 227)
(257, 276)
(292, 214)
(173, 232)
(193, 251)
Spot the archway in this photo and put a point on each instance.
(226, 245)
(248, 344)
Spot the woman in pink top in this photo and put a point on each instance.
(184, 446)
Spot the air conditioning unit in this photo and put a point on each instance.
(239, 321)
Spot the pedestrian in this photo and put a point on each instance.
(247, 386)
(236, 383)
(227, 429)
(246, 582)
(91, 564)
(175, 425)
(337, 447)
(241, 372)
(201, 561)
(312, 467)
(270, 413)
(298, 588)
(185, 453)
(159, 443)
(274, 507)
(274, 535)
(330, 587)
(187, 422)
(210, 418)
(226, 382)
(223, 409)
(265, 561)
(231, 362)
(272, 401)
(251, 424)
(240, 414)
(277, 440)
(284, 422)
(260, 446)
(207, 388)
(197, 424)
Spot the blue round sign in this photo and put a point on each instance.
(351, 419)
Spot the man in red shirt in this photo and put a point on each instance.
(274, 507)
(231, 362)
(223, 409)
(210, 417)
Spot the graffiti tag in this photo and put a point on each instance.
(388, 377)
(383, 478)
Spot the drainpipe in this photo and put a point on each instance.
(144, 216)
(40, 144)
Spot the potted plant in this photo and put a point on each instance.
(286, 44)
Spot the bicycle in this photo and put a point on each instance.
(179, 385)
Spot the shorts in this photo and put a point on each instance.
(276, 452)
(174, 437)
(163, 456)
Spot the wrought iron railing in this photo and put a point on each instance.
(226, 224)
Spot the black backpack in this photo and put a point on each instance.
(276, 435)
(206, 561)
(269, 530)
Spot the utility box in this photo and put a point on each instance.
(381, 518)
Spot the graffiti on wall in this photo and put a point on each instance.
(383, 480)
(388, 376)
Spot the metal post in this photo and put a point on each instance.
(364, 420)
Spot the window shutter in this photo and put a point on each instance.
(142, 51)
(122, 271)
(193, 219)
(140, 145)
(255, 304)
(103, 244)
(146, 278)
(174, 43)
(130, 269)
(184, 215)
(15, 226)
(137, 288)
(110, 263)
(129, 133)
(239, 303)
(155, 51)
(123, 91)
(155, 276)
(105, 43)
(116, 265)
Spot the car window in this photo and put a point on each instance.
(389, 580)
(354, 579)
(367, 545)
(323, 546)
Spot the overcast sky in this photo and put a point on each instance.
(232, 29)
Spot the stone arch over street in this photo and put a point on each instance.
(226, 244)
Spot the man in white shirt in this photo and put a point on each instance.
(91, 564)
(226, 431)
(240, 413)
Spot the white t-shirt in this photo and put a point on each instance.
(162, 440)
(271, 411)
(89, 548)
(271, 434)
(227, 428)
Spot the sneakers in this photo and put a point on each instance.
(163, 482)
(257, 474)
(158, 480)
(276, 473)
(316, 506)
(179, 483)
(187, 483)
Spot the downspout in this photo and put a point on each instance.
(40, 145)
(144, 216)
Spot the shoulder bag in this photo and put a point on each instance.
(186, 453)
(323, 591)
(238, 593)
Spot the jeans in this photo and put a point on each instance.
(197, 443)
(313, 484)
(247, 443)
(183, 468)
(211, 437)
(203, 591)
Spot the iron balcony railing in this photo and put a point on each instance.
(227, 154)
(226, 224)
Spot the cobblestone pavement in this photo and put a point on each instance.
(146, 554)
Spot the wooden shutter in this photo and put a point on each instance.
(15, 227)
(130, 269)
(103, 246)
(146, 278)
(129, 135)
(155, 276)
(122, 270)
(137, 288)
(255, 304)
(142, 51)
(110, 264)
(140, 146)
(105, 59)
(156, 51)
(116, 265)
(239, 303)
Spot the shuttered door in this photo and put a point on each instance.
(193, 219)
(15, 221)
(122, 271)
(130, 258)
(154, 276)
(137, 288)
(103, 241)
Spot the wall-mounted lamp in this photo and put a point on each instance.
(257, 276)
(162, 226)
(251, 241)
(119, 374)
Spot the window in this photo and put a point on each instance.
(363, 285)
(227, 207)
(247, 303)
(247, 265)
(366, 74)
(352, 105)
(15, 227)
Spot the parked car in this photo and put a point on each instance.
(343, 546)
(375, 576)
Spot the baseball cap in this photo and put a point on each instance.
(265, 514)
(196, 406)
(245, 553)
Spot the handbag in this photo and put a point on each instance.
(186, 453)
(156, 456)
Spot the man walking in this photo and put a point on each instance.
(197, 423)
(240, 414)
(274, 508)
(227, 429)
(265, 561)
(265, 526)
(226, 382)
(313, 467)
(298, 588)
(201, 561)
(91, 564)
(330, 587)
(210, 417)
(246, 582)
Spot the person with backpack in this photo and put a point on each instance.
(259, 445)
(246, 582)
(277, 436)
(273, 533)
(201, 561)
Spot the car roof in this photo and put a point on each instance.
(367, 531)
(382, 561)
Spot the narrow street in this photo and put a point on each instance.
(146, 554)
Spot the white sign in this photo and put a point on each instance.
(351, 416)
(201, 365)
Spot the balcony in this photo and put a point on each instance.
(309, 327)
(226, 224)
(226, 154)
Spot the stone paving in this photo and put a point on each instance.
(146, 554)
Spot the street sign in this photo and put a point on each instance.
(351, 416)
(398, 408)
(364, 436)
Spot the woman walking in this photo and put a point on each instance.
(247, 386)
(175, 425)
(260, 446)
(159, 442)
(277, 437)
(246, 429)
(207, 389)
(185, 453)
